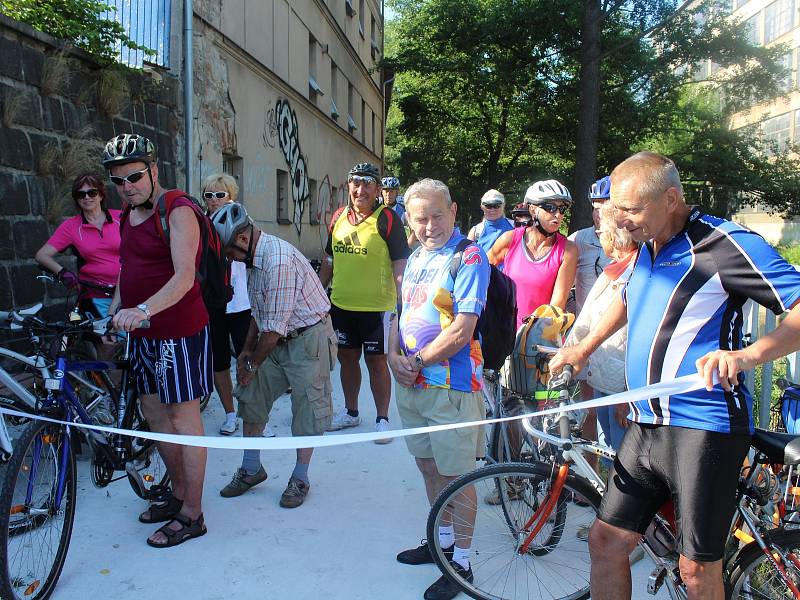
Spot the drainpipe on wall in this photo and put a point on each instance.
(188, 91)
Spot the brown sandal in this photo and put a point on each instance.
(159, 512)
(189, 529)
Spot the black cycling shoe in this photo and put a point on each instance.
(443, 588)
(422, 555)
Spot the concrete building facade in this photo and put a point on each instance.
(771, 22)
(287, 97)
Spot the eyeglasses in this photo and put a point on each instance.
(553, 208)
(132, 178)
(492, 204)
(361, 179)
(81, 194)
(217, 195)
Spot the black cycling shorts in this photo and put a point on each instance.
(698, 470)
(355, 329)
(227, 328)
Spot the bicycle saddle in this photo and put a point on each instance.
(780, 448)
(30, 311)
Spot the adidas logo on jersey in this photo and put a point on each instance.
(350, 245)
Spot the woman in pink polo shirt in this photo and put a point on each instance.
(93, 235)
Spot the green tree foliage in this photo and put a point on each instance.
(76, 21)
(487, 95)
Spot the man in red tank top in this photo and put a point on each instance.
(171, 359)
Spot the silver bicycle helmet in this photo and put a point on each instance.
(390, 183)
(545, 191)
(229, 220)
(127, 148)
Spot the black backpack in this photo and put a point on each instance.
(214, 270)
(497, 323)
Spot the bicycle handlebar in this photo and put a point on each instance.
(561, 381)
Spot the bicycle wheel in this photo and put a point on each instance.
(502, 566)
(754, 576)
(510, 442)
(146, 470)
(94, 389)
(34, 531)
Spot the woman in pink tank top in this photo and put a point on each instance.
(540, 260)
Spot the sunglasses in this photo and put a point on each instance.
(361, 179)
(553, 208)
(492, 204)
(81, 194)
(132, 178)
(217, 195)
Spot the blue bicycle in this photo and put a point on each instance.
(37, 496)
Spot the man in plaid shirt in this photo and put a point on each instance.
(290, 343)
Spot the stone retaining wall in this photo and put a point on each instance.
(47, 129)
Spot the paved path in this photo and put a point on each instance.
(366, 503)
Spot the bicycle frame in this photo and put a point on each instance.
(666, 570)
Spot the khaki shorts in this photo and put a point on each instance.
(454, 450)
(303, 363)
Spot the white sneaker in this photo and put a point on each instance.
(230, 426)
(380, 427)
(342, 420)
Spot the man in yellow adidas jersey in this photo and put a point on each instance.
(366, 254)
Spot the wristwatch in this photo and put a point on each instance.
(249, 367)
(144, 308)
(418, 361)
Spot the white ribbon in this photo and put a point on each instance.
(665, 388)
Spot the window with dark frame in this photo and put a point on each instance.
(313, 202)
(314, 91)
(234, 166)
(282, 197)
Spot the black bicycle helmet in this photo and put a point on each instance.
(367, 169)
(127, 148)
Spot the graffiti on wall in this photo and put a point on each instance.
(280, 125)
(329, 200)
(289, 141)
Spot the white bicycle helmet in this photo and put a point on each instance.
(230, 219)
(493, 196)
(546, 191)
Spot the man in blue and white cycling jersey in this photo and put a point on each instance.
(683, 306)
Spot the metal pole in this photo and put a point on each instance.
(188, 91)
(766, 378)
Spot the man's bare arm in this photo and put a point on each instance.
(614, 319)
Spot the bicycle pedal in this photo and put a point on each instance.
(656, 579)
(135, 478)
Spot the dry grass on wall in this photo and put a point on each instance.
(50, 161)
(56, 73)
(113, 91)
(60, 205)
(81, 154)
(12, 103)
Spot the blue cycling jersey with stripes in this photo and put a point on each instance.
(687, 301)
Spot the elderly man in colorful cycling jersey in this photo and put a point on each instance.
(683, 306)
(438, 364)
(367, 253)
